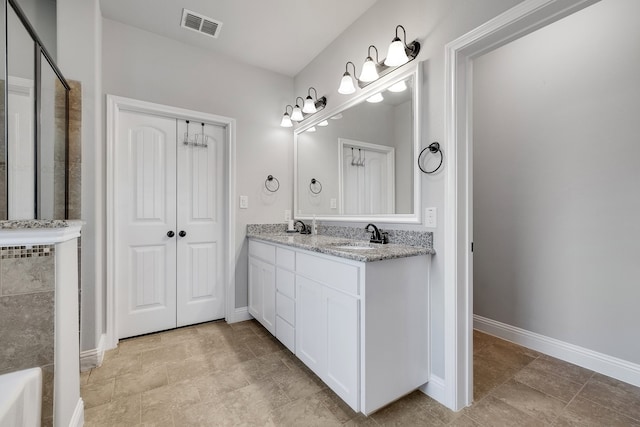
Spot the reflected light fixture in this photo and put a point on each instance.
(323, 123)
(369, 69)
(397, 53)
(398, 87)
(296, 115)
(346, 84)
(311, 129)
(375, 98)
(286, 119)
(309, 106)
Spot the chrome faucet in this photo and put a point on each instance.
(377, 236)
(304, 228)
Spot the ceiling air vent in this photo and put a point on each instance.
(200, 23)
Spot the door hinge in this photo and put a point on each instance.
(472, 247)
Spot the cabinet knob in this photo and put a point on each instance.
(182, 233)
(170, 233)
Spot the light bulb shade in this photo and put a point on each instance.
(311, 129)
(346, 85)
(297, 114)
(376, 98)
(396, 55)
(398, 87)
(323, 123)
(309, 106)
(286, 121)
(369, 71)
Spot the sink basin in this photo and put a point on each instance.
(355, 246)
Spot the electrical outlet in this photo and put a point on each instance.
(287, 214)
(430, 217)
(244, 202)
(334, 203)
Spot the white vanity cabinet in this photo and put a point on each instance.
(262, 284)
(362, 327)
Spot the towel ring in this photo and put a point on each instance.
(272, 184)
(316, 183)
(433, 148)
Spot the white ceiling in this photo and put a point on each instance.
(278, 35)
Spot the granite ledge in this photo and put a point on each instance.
(328, 245)
(22, 224)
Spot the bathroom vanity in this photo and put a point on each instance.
(355, 313)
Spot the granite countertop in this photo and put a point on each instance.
(24, 224)
(338, 246)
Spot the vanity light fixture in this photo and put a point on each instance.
(401, 86)
(311, 129)
(323, 123)
(376, 98)
(369, 69)
(309, 106)
(296, 115)
(286, 119)
(346, 84)
(399, 53)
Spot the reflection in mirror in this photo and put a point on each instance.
(52, 149)
(20, 120)
(364, 157)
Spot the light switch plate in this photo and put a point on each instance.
(334, 203)
(431, 217)
(244, 202)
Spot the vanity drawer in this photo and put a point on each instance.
(262, 251)
(343, 277)
(286, 258)
(285, 308)
(286, 334)
(285, 282)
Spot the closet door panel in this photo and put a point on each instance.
(200, 278)
(145, 255)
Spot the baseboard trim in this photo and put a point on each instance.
(604, 364)
(239, 315)
(77, 419)
(90, 359)
(435, 389)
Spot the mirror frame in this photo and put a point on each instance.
(377, 86)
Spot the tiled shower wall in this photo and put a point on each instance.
(27, 314)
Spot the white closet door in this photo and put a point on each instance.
(200, 269)
(146, 212)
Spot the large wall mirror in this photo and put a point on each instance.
(358, 162)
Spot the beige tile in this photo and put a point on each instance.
(338, 407)
(141, 381)
(534, 375)
(131, 346)
(584, 413)
(361, 420)
(493, 412)
(164, 354)
(410, 410)
(168, 398)
(192, 367)
(123, 411)
(84, 377)
(212, 386)
(265, 366)
(463, 421)
(562, 369)
(530, 401)
(309, 412)
(115, 366)
(97, 393)
(487, 375)
(205, 414)
(266, 391)
(296, 384)
(262, 346)
(613, 394)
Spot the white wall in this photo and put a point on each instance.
(79, 25)
(141, 65)
(42, 16)
(434, 23)
(556, 176)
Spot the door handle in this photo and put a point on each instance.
(170, 233)
(182, 233)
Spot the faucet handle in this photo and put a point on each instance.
(385, 236)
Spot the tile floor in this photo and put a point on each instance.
(216, 374)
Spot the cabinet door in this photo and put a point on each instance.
(342, 348)
(255, 288)
(262, 293)
(268, 272)
(310, 326)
